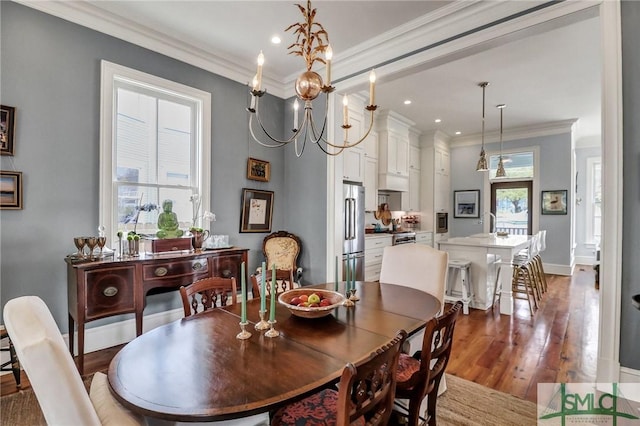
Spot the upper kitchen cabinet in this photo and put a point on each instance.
(393, 151)
(435, 191)
(371, 172)
(353, 164)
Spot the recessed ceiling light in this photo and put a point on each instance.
(407, 102)
(275, 39)
(438, 120)
(458, 133)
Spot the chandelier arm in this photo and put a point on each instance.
(255, 138)
(347, 144)
(316, 139)
(279, 142)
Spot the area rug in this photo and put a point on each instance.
(464, 403)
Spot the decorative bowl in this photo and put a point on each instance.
(311, 312)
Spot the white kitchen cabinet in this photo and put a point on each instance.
(393, 151)
(353, 158)
(424, 237)
(371, 145)
(435, 189)
(414, 157)
(370, 183)
(353, 165)
(414, 191)
(373, 248)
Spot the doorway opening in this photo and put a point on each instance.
(512, 205)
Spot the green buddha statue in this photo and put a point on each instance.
(168, 222)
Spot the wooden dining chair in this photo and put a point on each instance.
(282, 249)
(53, 375)
(420, 375)
(284, 281)
(208, 293)
(365, 394)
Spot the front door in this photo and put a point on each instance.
(512, 204)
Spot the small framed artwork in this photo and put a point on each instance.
(466, 204)
(7, 129)
(258, 170)
(11, 190)
(554, 202)
(257, 210)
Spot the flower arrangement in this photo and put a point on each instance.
(196, 202)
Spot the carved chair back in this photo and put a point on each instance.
(209, 293)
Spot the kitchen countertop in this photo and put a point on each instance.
(487, 240)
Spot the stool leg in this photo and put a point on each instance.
(465, 293)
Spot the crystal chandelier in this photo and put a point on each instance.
(311, 41)
(482, 161)
(500, 170)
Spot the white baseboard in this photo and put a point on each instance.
(550, 268)
(117, 333)
(585, 260)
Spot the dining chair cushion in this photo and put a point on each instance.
(109, 410)
(319, 409)
(407, 366)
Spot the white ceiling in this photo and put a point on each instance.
(544, 76)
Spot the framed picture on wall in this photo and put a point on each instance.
(466, 204)
(7, 129)
(10, 190)
(258, 170)
(257, 210)
(554, 202)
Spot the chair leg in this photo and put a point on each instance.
(15, 364)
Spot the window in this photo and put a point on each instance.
(594, 200)
(154, 136)
(517, 165)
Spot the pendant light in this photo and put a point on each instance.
(500, 170)
(482, 161)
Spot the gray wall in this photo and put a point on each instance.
(51, 74)
(555, 173)
(630, 317)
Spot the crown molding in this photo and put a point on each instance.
(86, 14)
(394, 53)
(515, 133)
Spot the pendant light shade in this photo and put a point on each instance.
(482, 161)
(500, 170)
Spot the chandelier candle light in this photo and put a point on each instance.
(500, 170)
(482, 161)
(311, 41)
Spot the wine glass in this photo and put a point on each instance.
(91, 243)
(101, 242)
(79, 243)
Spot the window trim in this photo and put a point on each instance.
(589, 213)
(111, 72)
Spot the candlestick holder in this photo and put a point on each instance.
(263, 324)
(353, 296)
(272, 331)
(347, 301)
(244, 334)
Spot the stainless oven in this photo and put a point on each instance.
(442, 223)
(403, 238)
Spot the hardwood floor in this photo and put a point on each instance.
(507, 353)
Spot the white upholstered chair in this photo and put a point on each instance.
(53, 374)
(421, 267)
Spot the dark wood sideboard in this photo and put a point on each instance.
(101, 289)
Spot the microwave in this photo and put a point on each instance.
(442, 223)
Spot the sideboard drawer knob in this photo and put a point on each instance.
(161, 271)
(197, 266)
(110, 291)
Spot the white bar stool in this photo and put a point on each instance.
(463, 268)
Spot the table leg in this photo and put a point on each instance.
(506, 298)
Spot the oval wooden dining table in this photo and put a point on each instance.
(194, 369)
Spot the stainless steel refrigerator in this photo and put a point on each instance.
(353, 226)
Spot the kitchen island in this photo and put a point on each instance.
(484, 251)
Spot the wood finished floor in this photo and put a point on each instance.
(507, 353)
